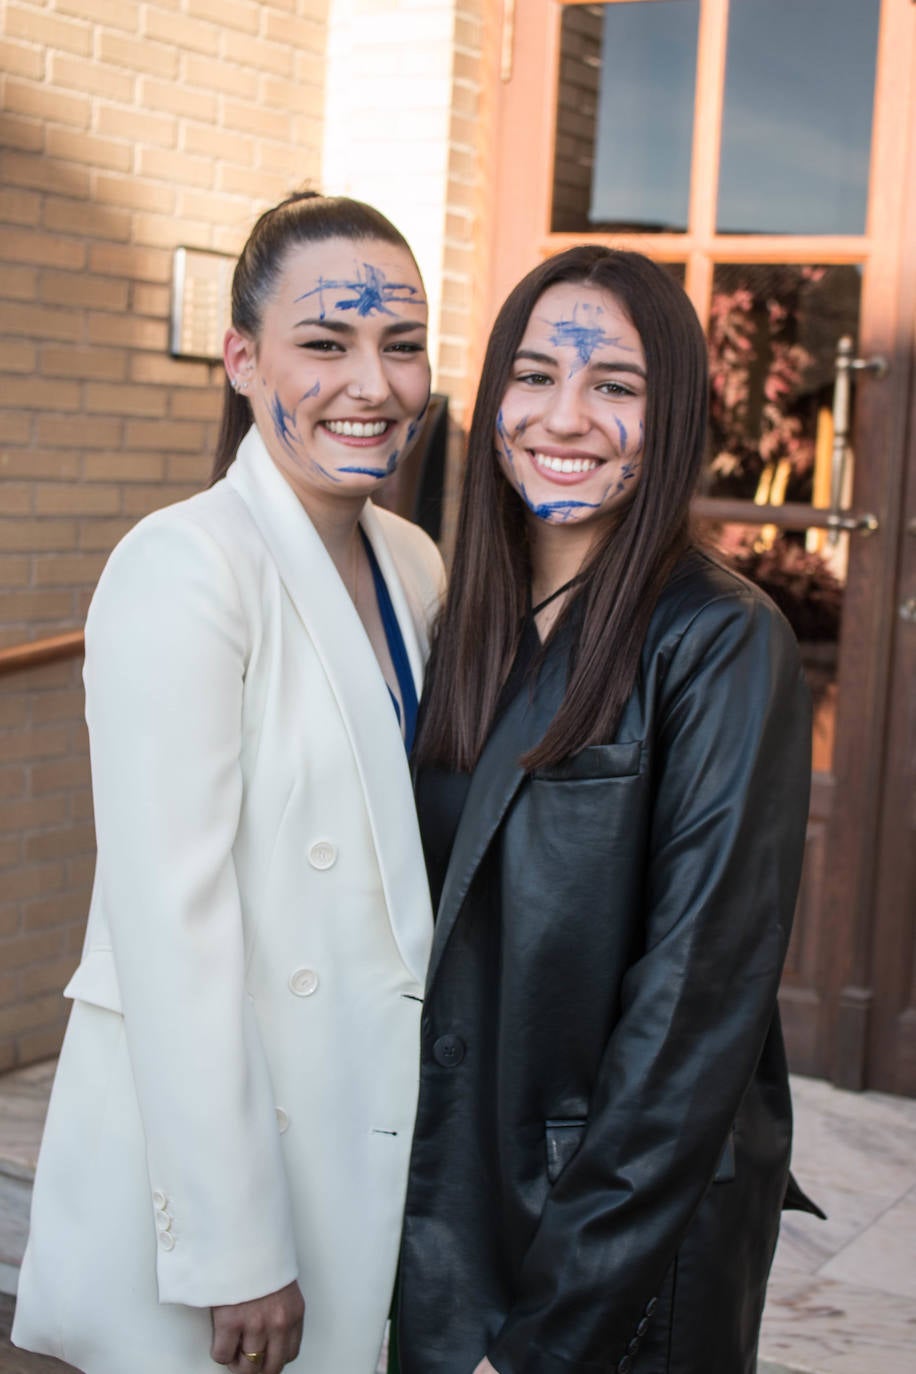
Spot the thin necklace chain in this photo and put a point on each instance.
(536, 610)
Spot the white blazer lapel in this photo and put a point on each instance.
(343, 647)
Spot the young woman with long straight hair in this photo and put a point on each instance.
(612, 780)
(225, 1156)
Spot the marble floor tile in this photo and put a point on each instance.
(883, 1256)
(857, 1142)
(806, 1243)
(831, 1327)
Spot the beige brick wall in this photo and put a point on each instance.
(126, 129)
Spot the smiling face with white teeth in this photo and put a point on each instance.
(338, 377)
(570, 432)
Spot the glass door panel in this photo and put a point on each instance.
(773, 336)
(796, 124)
(624, 121)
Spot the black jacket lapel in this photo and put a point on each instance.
(494, 783)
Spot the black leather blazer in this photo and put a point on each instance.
(603, 1131)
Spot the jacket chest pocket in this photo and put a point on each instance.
(595, 763)
(562, 1136)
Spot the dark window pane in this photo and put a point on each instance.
(796, 128)
(625, 116)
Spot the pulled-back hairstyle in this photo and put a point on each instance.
(479, 628)
(303, 217)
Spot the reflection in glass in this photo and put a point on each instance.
(773, 333)
(625, 116)
(796, 128)
(772, 343)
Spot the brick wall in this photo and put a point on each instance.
(126, 129)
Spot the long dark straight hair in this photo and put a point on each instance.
(303, 217)
(479, 628)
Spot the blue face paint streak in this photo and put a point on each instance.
(622, 431)
(627, 474)
(546, 510)
(369, 293)
(284, 422)
(386, 471)
(584, 338)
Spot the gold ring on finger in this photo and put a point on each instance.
(253, 1355)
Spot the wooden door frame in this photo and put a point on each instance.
(891, 1062)
(525, 104)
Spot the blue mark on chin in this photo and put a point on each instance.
(368, 292)
(564, 510)
(386, 471)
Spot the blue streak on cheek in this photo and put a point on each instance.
(622, 431)
(628, 473)
(284, 425)
(507, 450)
(307, 395)
(285, 429)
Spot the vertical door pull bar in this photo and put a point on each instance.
(846, 363)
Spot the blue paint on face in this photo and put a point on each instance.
(562, 510)
(284, 423)
(286, 430)
(307, 395)
(584, 337)
(386, 471)
(622, 431)
(628, 473)
(370, 293)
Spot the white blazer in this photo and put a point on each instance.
(234, 1100)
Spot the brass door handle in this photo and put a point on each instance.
(907, 610)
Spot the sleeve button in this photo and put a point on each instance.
(166, 1240)
(448, 1050)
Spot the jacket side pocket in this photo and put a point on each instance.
(563, 1138)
